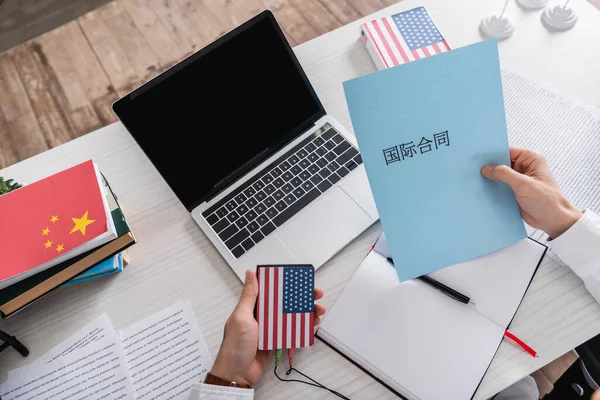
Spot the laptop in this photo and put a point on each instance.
(240, 136)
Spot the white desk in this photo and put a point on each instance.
(173, 259)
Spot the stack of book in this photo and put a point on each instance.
(66, 228)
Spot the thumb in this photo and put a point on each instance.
(503, 173)
(249, 293)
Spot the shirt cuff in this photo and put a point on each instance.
(578, 247)
(204, 390)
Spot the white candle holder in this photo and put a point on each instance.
(559, 17)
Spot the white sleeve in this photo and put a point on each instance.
(203, 391)
(579, 248)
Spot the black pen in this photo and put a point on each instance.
(448, 291)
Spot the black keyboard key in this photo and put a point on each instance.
(260, 196)
(358, 159)
(276, 172)
(258, 185)
(318, 141)
(304, 175)
(262, 219)
(329, 145)
(221, 212)
(296, 169)
(287, 176)
(243, 209)
(240, 198)
(228, 232)
(293, 160)
(338, 138)
(259, 209)
(333, 166)
(304, 163)
(301, 154)
(249, 192)
(307, 185)
(272, 212)
(334, 178)
(257, 237)
(310, 147)
(252, 227)
(322, 162)
(269, 201)
(278, 183)
(296, 182)
(342, 147)
(284, 166)
(316, 179)
(233, 216)
(269, 189)
(351, 165)
(323, 186)
(268, 228)
(287, 188)
(237, 239)
(278, 195)
(328, 134)
(324, 173)
(250, 215)
(212, 219)
(247, 244)
(347, 156)
(321, 151)
(298, 192)
(280, 206)
(267, 179)
(222, 224)
(289, 199)
(296, 207)
(242, 222)
(251, 202)
(330, 156)
(238, 251)
(231, 205)
(342, 172)
(314, 169)
(312, 157)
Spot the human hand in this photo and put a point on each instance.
(543, 206)
(239, 359)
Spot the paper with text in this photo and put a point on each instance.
(166, 354)
(98, 370)
(425, 129)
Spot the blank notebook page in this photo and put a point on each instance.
(419, 341)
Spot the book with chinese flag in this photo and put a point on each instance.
(52, 220)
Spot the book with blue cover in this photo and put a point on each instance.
(107, 267)
(425, 129)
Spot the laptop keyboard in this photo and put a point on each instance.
(264, 203)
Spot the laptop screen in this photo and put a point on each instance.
(211, 118)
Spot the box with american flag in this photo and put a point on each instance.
(285, 306)
(401, 38)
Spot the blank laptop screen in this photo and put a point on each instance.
(204, 122)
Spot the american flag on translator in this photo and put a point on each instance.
(285, 307)
(404, 37)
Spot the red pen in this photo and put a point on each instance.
(520, 343)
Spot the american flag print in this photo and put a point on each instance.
(404, 37)
(285, 307)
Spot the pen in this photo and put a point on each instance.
(448, 291)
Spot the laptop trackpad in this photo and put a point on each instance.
(324, 228)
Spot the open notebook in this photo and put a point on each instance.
(419, 342)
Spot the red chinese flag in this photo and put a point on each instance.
(49, 218)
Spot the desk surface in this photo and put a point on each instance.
(174, 260)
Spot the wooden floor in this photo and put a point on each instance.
(61, 85)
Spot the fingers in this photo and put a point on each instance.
(318, 293)
(249, 293)
(596, 395)
(503, 173)
(320, 310)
